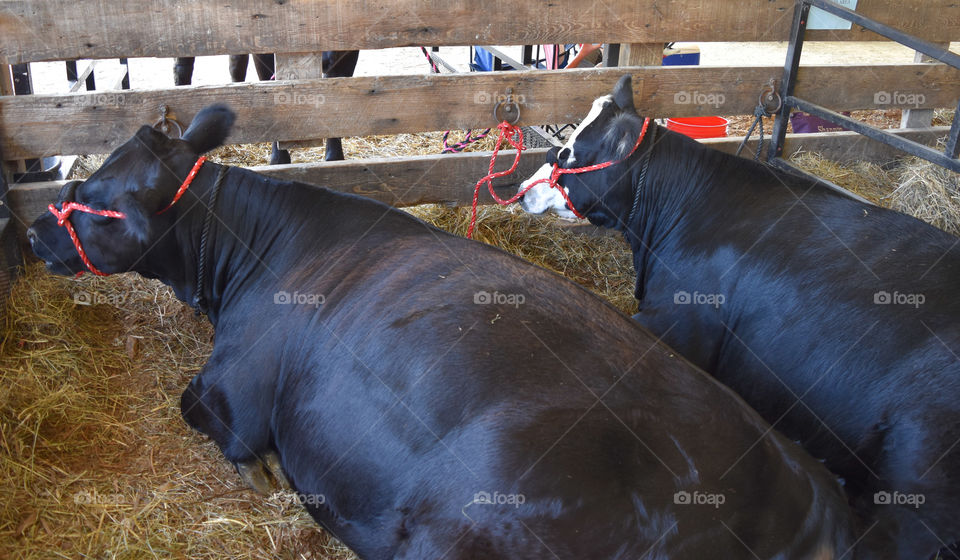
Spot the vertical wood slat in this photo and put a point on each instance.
(919, 118)
(641, 54)
(299, 66)
(9, 253)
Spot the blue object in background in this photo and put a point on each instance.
(686, 56)
(482, 60)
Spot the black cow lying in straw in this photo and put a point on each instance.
(434, 397)
(837, 320)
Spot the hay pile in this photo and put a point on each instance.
(598, 261)
(866, 179)
(928, 192)
(95, 460)
(911, 185)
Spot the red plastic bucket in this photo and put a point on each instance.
(700, 127)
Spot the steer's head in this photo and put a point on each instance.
(608, 133)
(138, 179)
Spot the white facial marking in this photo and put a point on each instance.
(598, 104)
(543, 197)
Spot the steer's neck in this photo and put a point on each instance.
(248, 238)
(674, 192)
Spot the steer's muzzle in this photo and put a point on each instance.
(52, 245)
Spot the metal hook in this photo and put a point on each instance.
(509, 106)
(163, 125)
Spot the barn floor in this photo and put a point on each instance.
(95, 461)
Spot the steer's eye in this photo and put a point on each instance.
(98, 219)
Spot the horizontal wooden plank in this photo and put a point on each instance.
(66, 29)
(447, 178)
(842, 147)
(450, 178)
(33, 126)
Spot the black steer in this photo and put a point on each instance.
(433, 397)
(336, 64)
(836, 320)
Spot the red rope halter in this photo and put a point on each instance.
(508, 131)
(67, 208)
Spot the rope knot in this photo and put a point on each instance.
(508, 131)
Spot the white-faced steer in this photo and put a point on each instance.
(838, 321)
(429, 396)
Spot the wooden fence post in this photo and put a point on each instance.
(299, 66)
(641, 54)
(919, 118)
(10, 257)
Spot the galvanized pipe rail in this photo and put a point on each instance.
(947, 158)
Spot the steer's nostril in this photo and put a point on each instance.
(31, 236)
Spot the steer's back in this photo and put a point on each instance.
(467, 368)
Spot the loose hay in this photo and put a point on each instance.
(866, 179)
(911, 185)
(928, 192)
(96, 461)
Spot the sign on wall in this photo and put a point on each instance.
(820, 19)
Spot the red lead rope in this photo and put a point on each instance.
(63, 219)
(63, 216)
(508, 132)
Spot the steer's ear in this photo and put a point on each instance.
(623, 94)
(209, 128)
(552, 155)
(621, 136)
(138, 225)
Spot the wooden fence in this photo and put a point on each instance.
(304, 109)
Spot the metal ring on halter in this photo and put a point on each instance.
(163, 125)
(509, 107)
